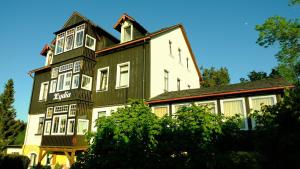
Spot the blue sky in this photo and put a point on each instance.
(221, 32)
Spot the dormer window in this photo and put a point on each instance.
(69, 39)
(60, 39)
(127, 34)
(49, 58)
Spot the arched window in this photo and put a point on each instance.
(33, 159)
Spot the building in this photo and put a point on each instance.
(89, 73)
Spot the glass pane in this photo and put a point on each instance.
(160, 111)
(231, 108)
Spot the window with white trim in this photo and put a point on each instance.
(101, 114)
(256, 103)
(53, 86)
(60, 39)
(65, 67)
(76, 66)
(82, 126)
(166, 80)
(86, 82)
(160, 111)
(123, 75)
(69, 39)
(71, 126)
(232, 107)
(90, 42)
(33, 157)
(75, 81)
(170, 47)
(179, 55)
(211, 105)
(59, 125)
(187, 63)
(54, 72)
(79, 35)
(43, 91)
(72, 110)
(179, 106)
(64, 81)
(102, 79)
(47, 127)
(127, 36)
(61, 109)
(40, 125)
(178, 84)
(49, 112)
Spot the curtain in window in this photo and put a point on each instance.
(160, 111)
(210, 105)
(124, 76)
(257, 103)
(231, 108)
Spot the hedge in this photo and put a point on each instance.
(14, 161)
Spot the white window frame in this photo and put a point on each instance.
(45, 129)
(43, 96)
(65, 67)
(77, 31)
(253, 124)
(178, 84)
(124, 32)
(73, 81)
(65, 108)
(58, 39)
(59, 124)
(70, 32)
(77, 63)
(99, 78)
(166, 80)
(70, 133)
(174, 112)
(49, 117)
(118, 75)
(82, 133)
(54, 72)
(53, 88)
(94, 39)
(207, 102)
(244, 109)
(64, 82)
(71, 115)
(161, 106)
(89, 87)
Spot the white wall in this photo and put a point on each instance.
(162, 60)
(11, 150)
(32, 126)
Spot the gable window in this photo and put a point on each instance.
(43, 91)
(60, 39)
(71, 126)
(82, 126)
(170, 47)
(256, 103)
(69, 39)
(160, 111)
(127, 34)
(53, 86)
(166, 81)
(61, 109)
(49, 112)
(211, 105)
(54, 73)
(40, 125)
(102, 83)
(59, 124)
(86, 82)
(179, 55)
(178, 84)
(123, 75)
(79, 36)
(72, 110)
(47, 127)
(76, 67)
(49, 58)
(90, 42)
(75, 81)
(232, 107)
(64, 81)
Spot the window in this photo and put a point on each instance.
(72, 110)
(170, 47)
(189, 86)
(49, 58)
(65, 67)
(61, 109)
(232, 107)
(160, 111)
(59, 125)
(47, 127)
(179, 55)
(212, 105)
(123, 75)
(54, 72)
(82, 126)
(256, 103)
(71, 126)
(64, 81)
(101, 114)
(90, 42)
(166, 81)
(40, 125)
(178, 84)
(69, 39)
(76, 67)
(127, 33)
(179, 106)
(53, 86)
(79, 36)
(60, 39)
(43, 91)
(102, 83)
(187, 63)
(32, 159)
(86, 82)
(49, 112)
(75, 81)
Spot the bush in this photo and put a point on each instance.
(14, 161)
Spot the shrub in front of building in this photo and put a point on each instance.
(14, 161)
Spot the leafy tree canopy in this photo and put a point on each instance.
(254, 75)
(215, 77)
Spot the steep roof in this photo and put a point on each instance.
(239, 88)
(125, 17)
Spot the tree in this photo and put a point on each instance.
(9, 127)
(254, 75)
(213, 77)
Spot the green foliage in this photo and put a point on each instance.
(254, 75)
(19, 140)
(294, 2)
(14, 161)
(213, 77)
(285, 33)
